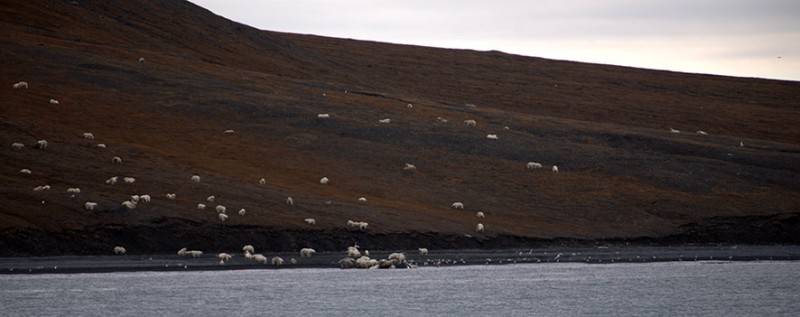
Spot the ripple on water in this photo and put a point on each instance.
(633, 289)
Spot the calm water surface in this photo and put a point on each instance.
(569, 289)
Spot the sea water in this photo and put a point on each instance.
(555, 289)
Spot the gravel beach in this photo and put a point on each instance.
(209, 262)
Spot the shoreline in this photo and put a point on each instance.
(168, 234)
(436, 258)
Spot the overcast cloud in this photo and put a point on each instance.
(730, 37)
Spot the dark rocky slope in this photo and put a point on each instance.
(623, 175)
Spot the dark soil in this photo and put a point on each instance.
(169, 235)
(624, 176)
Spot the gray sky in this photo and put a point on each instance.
(730, 37)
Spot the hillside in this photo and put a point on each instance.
(623, 175)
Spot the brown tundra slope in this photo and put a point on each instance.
(623, 175)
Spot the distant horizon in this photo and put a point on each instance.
(739, 38)
(527, 55)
